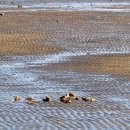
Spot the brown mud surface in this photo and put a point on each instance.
(50, 53)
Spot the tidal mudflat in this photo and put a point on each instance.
(53, 52)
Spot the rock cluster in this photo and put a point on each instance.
(68, 98)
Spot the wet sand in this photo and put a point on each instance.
(118, 64)
(50, 53)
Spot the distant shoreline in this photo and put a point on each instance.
(112, 6)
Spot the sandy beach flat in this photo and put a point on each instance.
(50, 53)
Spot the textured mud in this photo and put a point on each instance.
(47, 53)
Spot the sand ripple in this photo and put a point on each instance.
(53, 53)
(62, 116)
